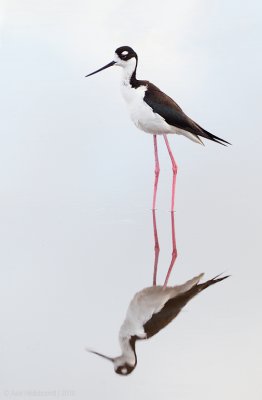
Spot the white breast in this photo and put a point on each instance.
(141, 114)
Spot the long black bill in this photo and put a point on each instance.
(101, 355)
(101, 69)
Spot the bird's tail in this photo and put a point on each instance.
(199, 287)
(216, 279)
(210, 136)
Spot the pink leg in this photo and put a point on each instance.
(174, 167)
(174, 251)
(157, 171)
(157, 248)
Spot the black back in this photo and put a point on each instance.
(173, 114)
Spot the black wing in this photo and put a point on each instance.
(173, 307)
(174, 115)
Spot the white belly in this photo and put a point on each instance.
(143, 305)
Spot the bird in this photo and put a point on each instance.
(151, 310)
(154, 112)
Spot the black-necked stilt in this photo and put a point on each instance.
(149, 312)
(154, 112)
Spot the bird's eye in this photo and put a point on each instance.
(124, 53)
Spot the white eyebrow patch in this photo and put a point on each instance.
(124, 53)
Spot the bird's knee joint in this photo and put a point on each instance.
(174, 253)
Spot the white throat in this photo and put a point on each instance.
(128, 69)
(128, 353)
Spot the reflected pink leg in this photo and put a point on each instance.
(174, 167)
(174, 251)
(157, 248)
(157, 171)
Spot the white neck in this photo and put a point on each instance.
(128, 353)
(128, 70)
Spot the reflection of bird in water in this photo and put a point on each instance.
(154, 112)
(150, 311)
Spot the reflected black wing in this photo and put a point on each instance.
(173, 307)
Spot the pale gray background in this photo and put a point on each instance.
(76, 186)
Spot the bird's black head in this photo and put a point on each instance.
(121, 365)
(124, 369)
(125, 53)
(122, 56)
